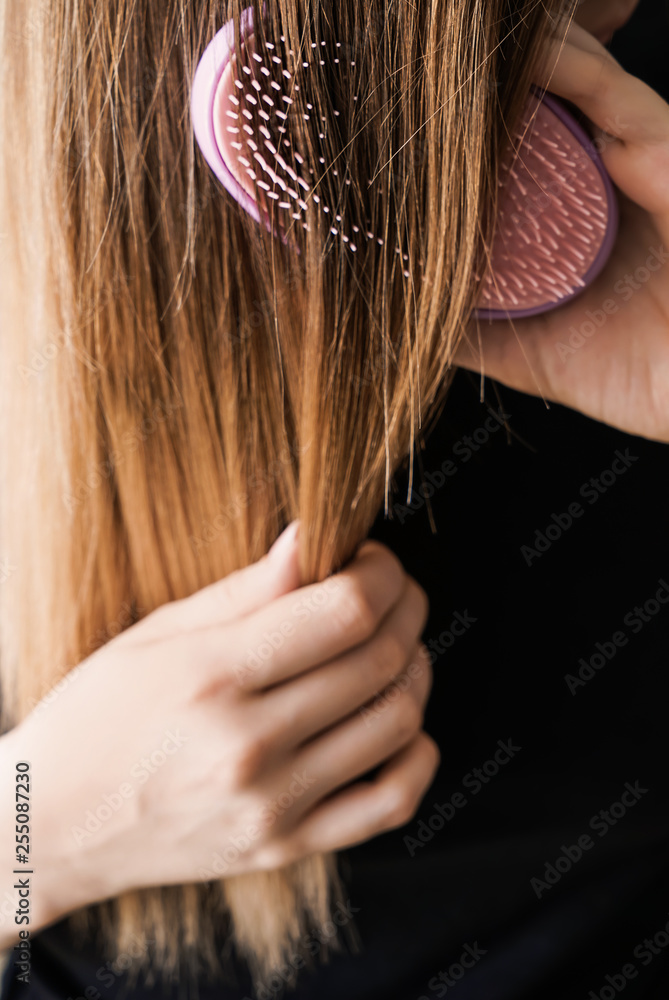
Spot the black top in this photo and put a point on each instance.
(537, 865)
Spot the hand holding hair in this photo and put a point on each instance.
(253, 721)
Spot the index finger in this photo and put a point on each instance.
(314, 624)
(581, 70)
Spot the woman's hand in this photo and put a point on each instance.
(225, 733)
(602, 18)
(619, 373)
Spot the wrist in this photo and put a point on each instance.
(45, 875)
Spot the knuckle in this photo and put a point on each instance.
(422, 601)
(249, 761)
(381, 551)
(433, 752)
(206, 675)
(276, 854)
(392, 566)
(409, 719)
(426, 672)
(353, 610)
(388, 657)
(400, 806)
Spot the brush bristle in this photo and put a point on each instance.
(553, 217)
(252, 114)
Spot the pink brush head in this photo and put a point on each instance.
(557, 218)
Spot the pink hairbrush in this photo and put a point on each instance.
(558, 215)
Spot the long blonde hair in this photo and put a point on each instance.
(177, 385)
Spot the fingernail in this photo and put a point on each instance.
(285, 541)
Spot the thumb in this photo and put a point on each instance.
(238, 594)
